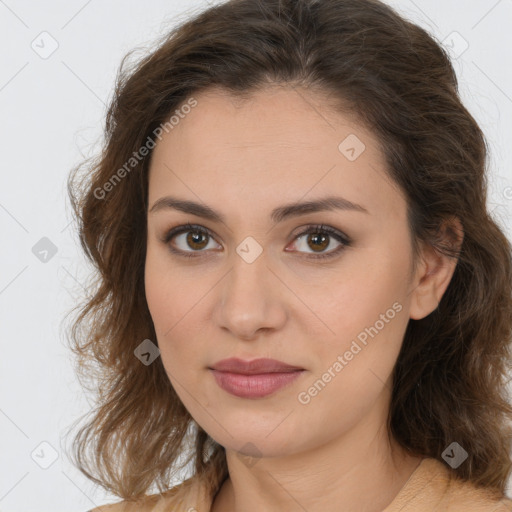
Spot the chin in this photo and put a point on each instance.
(254, 443)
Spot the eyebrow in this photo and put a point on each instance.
(277, 215)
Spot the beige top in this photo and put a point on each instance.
(427, 489)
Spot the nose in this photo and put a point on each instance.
(251, 300)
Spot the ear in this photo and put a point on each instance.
(435, 270)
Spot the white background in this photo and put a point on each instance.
(52, 113)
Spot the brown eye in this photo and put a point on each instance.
(315, 241)
(196, 240)
(188, 240)
(191, 241)
(318, 241)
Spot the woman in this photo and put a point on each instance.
(300, 291)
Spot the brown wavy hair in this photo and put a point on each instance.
(450, 376)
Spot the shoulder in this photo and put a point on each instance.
(434, 487)
(462, 496)
(189, 495)
(146, 504)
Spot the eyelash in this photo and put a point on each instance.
(310, 229)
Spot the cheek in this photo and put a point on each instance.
(160, 302)
(369, 319)
(167, 295)
(173, 303)
(366, 312)
(355, 298)
(164, 303)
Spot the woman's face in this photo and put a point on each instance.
(255, 286)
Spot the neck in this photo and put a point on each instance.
(361, 470)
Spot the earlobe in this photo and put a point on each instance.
(435, 271)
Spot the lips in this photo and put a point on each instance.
(254, 367)
(254, 379)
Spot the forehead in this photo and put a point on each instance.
(279, 144)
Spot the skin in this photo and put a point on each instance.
(243, 159)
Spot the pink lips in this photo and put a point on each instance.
(253, 379)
